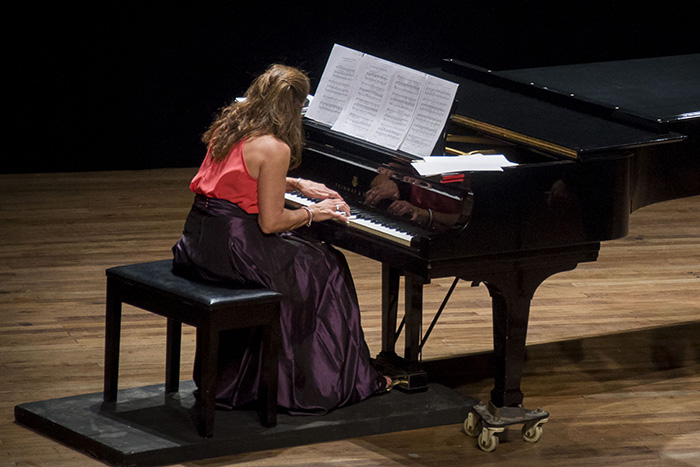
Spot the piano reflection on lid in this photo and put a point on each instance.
(419, 205)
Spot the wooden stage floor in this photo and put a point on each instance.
(613, 349)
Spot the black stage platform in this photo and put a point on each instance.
(146, 427)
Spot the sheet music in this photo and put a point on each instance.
(396, 115)
(367, 97)
(335, 86)
(430, 116)
(382, 102)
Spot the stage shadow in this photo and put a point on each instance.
(604, 358)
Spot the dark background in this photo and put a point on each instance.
(133, 85)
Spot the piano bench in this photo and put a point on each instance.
(210, 308)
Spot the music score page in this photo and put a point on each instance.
(382, 102)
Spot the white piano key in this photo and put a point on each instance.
(360, 223)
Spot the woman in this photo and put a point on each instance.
(239, 230)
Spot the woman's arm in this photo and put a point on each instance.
(311, 189)
(268, 159)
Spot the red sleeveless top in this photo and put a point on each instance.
(228, 179)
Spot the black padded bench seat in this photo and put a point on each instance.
(209, 307)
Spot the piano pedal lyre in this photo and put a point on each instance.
(390, 364)
(397, 368)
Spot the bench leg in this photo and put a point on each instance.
(209, 347)
(267, 397)
(172, 356)
(113, 317)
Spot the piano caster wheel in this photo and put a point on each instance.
(472, 425)
(488, 439)
(484, 422)
(532, 431)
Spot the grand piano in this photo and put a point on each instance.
(592, 143)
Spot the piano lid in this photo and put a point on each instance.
(516, 112)
(659, 90)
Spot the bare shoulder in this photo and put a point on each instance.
(265, 151)
(268, 145)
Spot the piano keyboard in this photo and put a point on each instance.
(363, 220)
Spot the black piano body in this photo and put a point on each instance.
(583, 166)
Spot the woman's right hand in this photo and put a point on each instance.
(336, 209)
(315, 190)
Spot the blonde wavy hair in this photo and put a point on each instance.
(272, 106)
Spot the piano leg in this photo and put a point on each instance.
(511, 295)
(414, 315)
(388, 362)
(511, 290)
(511, 309)
(511, 298)
(512, 287)
(390, 305)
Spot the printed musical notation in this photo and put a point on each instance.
(382, 102)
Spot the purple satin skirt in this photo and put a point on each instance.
(324, 359)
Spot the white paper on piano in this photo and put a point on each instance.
(398, 109)
(361, 111)
(382, 102)
(335, 86)
(435, 165)
(431, 114)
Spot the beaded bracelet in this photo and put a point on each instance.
(311, 215)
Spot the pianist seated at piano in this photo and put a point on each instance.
(239, 230)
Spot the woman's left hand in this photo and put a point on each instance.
(315, 190)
